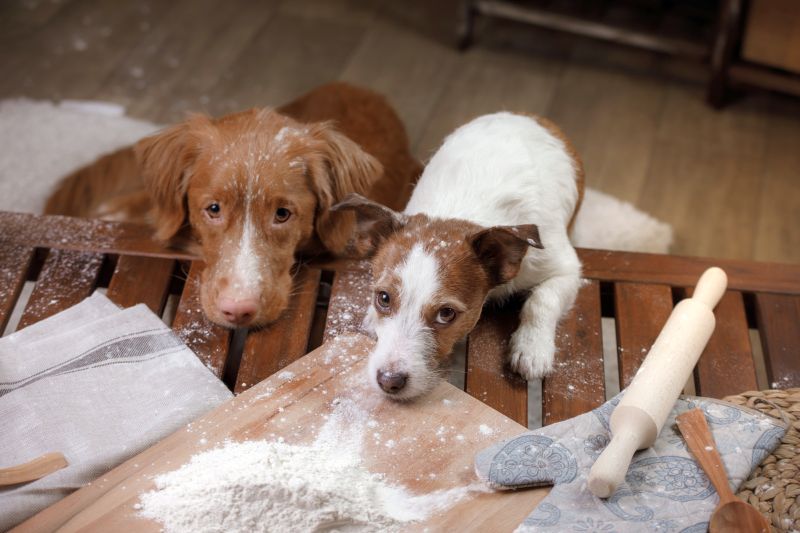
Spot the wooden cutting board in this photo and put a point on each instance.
(435, 440)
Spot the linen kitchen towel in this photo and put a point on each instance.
(98, 384)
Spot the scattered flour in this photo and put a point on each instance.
(485, 430)
(276, 486)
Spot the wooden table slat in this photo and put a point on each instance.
(67, 277)
(577, 384)
(138, 279)
(681, 271)
(207, 340)
(641, 311)
(489, 378)
(779, 326)
(268, 350)
(351, 296)
(121, 238)
(15, 261)
(726, 366)
(93, 235)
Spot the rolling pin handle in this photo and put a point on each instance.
(710, 287)
(611, 467)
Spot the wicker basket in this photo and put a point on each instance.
(774, 487)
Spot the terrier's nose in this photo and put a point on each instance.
(238, 312)
(392, 382)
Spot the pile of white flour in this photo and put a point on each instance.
(275, 486)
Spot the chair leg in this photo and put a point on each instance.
(723, 49)
(466, 24)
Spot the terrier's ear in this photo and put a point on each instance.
(501, 249)
(373, 223)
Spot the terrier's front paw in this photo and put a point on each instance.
(531, 354)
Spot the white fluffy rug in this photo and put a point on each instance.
(41, 142)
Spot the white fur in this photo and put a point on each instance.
(505, 169)
(245, 271)
(404, 341)
(245, 275)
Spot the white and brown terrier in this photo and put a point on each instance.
(488, 218)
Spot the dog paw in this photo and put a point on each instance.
(531, 354)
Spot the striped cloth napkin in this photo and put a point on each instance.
(98, 384)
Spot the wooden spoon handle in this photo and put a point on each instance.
(694, 428)
(33, 470)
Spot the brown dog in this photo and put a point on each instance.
(250, 191)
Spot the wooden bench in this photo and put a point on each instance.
(69, 258)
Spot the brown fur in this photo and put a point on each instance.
(580, 175)
(341, 139)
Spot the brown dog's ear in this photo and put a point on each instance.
(373, 223)
(165, 160)
(340, 167)
(500, 249)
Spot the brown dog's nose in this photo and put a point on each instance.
(392, 382)
(238, 312)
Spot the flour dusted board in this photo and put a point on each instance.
(434, 443)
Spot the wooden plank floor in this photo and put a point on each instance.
(726, 180)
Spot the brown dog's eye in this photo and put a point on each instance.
(282, 215)
(214, 210)
(383, 301)
(446, 315)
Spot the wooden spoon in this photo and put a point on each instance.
(33, 470)
(732, 515)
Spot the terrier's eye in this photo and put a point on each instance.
(382, 300)
(282, 215)
(446, 315)
(213, 210)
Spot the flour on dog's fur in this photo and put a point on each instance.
(276, 486)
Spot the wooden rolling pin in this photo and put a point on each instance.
(640, 415)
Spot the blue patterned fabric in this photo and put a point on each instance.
(665, 490)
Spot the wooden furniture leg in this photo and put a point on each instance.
(466, 24)
(725, 42)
